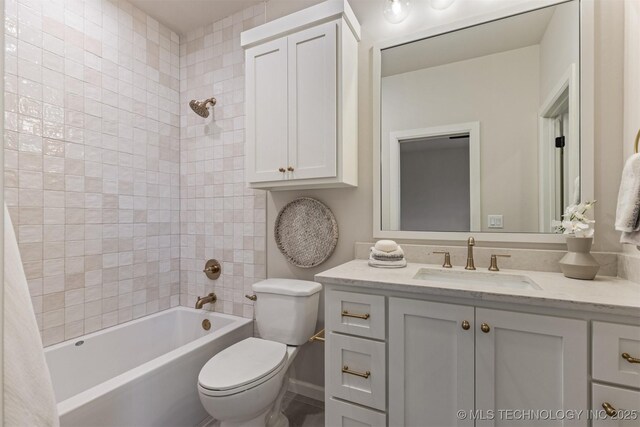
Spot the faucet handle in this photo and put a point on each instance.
(447, 258)
(494, 261)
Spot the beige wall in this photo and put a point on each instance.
(353, 207)
(499, 91)
(631, 84)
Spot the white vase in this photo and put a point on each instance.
(578, 263)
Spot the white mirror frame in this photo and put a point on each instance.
(586, 121)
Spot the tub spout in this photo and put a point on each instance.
(209, 299)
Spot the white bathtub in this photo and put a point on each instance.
(140, 373)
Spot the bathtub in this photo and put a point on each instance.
(140, 373)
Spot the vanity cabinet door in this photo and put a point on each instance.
(529, 362)
(431, 348)
(266, 74)
(313, 102)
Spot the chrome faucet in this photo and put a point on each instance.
(211, 298)
(471, 242)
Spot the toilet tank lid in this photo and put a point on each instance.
(297, 288)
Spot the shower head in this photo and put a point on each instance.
(200, 107)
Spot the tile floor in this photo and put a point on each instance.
(303, 411)
(300, 410)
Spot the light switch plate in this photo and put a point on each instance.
(495, 221)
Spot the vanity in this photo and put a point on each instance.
(428, 346)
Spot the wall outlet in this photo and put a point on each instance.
(495, 221)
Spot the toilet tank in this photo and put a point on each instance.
(286, 310)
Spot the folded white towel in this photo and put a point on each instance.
(628, 212)
(386, 245)
(398, 253)
(386, 264)
(28, 393)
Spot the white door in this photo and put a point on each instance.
(529, 362)
(313, 102)
(266, 109)
(431, 351)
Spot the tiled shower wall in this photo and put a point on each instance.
(92, 146)
(220, 217)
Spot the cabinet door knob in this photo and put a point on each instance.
(610, 410)
(466, 325)
(629, 358)
(485, 328)
(283, 170)
(290, 169)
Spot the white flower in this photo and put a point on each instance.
(575, 221)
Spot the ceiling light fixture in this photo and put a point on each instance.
(396, 11)
(441, 4)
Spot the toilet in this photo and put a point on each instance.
(243, 385)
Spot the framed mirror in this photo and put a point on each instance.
(485, 126)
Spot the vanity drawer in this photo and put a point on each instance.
(616, 353)
(342, 414)
(356, 370)
(355, 314)
(626, 402)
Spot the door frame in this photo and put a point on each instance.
(398, 137)
(546, 155)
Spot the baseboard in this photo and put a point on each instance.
(306, 389)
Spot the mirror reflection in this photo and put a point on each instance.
(475, 119)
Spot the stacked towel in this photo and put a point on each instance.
(387, 254)
(628, 212)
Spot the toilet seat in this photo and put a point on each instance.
(242, 366)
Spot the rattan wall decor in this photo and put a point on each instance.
(306, 232)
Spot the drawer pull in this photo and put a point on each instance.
(629, 358)
(345, 313)
(610, 410)
(346, 370)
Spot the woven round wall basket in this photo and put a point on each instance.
(306, 232)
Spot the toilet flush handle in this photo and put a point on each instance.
(251, 297)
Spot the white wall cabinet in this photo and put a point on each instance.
(301, 100)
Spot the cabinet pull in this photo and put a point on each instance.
(283, 170)
(485, 328)
(466, 325)
(345, 313)
(346, 370)
(610, 410)
(290, 169)
(629, 358)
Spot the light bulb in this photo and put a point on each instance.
(396, 11)
(441, 4)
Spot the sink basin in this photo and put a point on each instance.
(511, 281)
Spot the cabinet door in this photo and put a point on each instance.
(266, 109)
(529, 362)
(430, 363)
(313, 102)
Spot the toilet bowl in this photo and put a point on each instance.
(240, 385)
(243, 385)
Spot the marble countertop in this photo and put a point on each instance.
(609, 295)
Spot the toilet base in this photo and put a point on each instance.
(281, 421)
